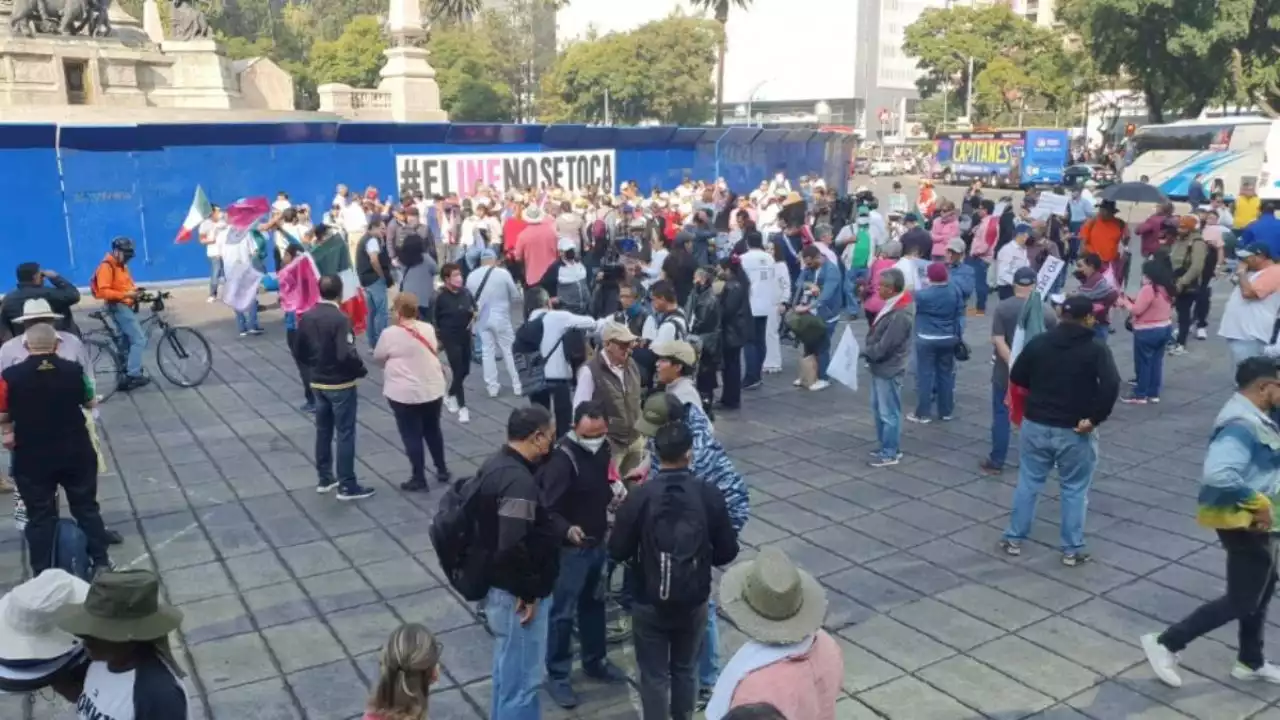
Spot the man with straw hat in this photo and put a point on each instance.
(789, 662)
(125, 629)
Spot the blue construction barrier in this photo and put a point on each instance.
(77, 187)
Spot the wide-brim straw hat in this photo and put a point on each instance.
(771, 600)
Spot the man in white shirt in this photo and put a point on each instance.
(556, 370)
(1248, 320)
(282, 202)
(762, 271)
(355, 222)
(212, 235)
(495, 292)
(780, 185)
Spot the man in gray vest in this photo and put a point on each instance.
(613, 379)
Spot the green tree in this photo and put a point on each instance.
(660, 72)
(469, 70)
(354, 58)
(721, 9)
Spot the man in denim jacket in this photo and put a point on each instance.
(819, 290)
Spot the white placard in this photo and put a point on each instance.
(999, 209)
(844, 361)
(1039, 213)
(460, 172)
(1054, 203)
(1048, 273)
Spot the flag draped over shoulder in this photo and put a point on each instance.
(332, 257)
(299, 285)
(1030, 324)
(199, 211)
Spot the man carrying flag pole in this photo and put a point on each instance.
(332, 257)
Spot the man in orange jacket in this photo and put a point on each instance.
(113, 284)
(1106, 236)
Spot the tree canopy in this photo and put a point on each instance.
(660, 72)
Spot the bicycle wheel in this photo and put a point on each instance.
(184, 356)
(105, 365)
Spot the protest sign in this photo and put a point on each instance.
(1048, 273)
(460, 172)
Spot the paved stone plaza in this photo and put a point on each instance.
(288, 595)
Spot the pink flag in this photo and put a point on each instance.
(244, 212)
(299, 286)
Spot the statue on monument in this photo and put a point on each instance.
(60, 17)
(189, 23)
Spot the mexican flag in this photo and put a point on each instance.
(199, 211)
(331, 257)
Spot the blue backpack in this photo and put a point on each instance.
(71, 550)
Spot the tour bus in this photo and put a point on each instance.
(1013, 158)
(1240, 150)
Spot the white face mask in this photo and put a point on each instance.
(591, 445)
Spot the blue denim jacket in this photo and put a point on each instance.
(830, 299)
(939, 309)
(1241, 467)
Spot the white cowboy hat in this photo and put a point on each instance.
(28, 630)
(771, 600)
(36, 309)
(533, 215)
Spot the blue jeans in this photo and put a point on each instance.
(376, 297)
(709, 657)
(248, 320)
(753, 352)
(336, 413)
(935, 372)
(1148, 360)
(1041, 449)
(131, 329)
(1101, 331)
(886, 405)
(578, 594)
(518, 654)
(980, 289)
(824, 357)
(1000, 428)
(216, 273)
(1242, 350)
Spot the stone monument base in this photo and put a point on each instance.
(410, 82)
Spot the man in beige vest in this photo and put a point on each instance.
(612, 378)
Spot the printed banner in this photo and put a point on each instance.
(459, 173)
(1048, 273)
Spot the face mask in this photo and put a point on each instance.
(591, 445)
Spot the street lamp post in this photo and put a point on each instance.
(752, 96)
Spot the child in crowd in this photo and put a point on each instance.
(408, 667)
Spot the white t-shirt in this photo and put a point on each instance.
(110, 696)
(295, 230)
(761, 271)
(354, 220)
(913, 270)
(214, 229)
(281, 205)
(1008, 261)
(1245, 319)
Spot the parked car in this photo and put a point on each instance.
(861, 166)
(883, 166)
(1084, 172)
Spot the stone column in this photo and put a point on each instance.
(407, 76)
(151, 24)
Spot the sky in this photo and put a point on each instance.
(798, 49)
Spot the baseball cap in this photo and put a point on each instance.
(911, 217)
(1024, 277)
(1259, 249)
(619, 333)
(1077, 307)
(956, 245)
(677, 350)
(655, 413)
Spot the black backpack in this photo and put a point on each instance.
(575, 347)
(454, 537)
(675, 548)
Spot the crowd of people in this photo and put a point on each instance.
(630, 322)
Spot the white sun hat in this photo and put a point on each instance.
(27, 627)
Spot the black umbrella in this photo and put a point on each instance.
(1134, 192)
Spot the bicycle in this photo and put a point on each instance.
(108, 349)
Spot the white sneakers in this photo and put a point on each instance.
(819, 385)
(1202, 334)
(1164, 663)
(464, 416)
(493, 392)
(451, 404)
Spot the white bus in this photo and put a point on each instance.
(1239, 150)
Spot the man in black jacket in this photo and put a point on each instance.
(575, 489)
(516, 530)
(327, 345)
(1072, 386)
(668, 633)
(61, 297)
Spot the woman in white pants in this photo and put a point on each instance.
(494, 291)
(772, 343)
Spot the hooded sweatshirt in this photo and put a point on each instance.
(944, 230)
(1070, 377)
(1241, 468)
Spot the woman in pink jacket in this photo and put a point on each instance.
(1149, 314)
(945, 229)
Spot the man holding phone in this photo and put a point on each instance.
(574, 485)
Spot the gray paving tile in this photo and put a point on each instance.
(232, 661)
(196, 582)
(1036, 667)
(266, 700)
(862, 670)
(849, 543)
(256, 570)
(899, 644)
(870, 589)
(810, 557)
(325, 692)
(791, 518)
(1084, 645)
(909, 699)
(1198, 697)
(994, 694)
(993, 606)
(945, 624)
(916, 573)
(214, 618)
(315, 558)
(338, 591)
(304, 644)
(278, 604)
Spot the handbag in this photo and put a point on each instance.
(962, 351)
(444, 369)
(531, 368)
